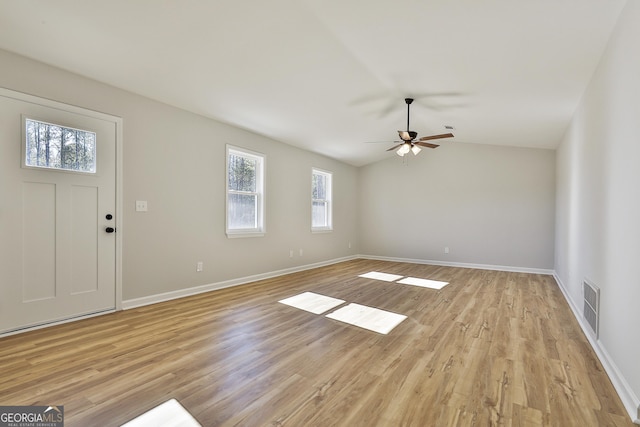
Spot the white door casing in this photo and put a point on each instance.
(57, 260)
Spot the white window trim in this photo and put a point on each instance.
(260, 183)
(329, 200)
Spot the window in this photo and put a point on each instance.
(57, 147)
(320, 200)
(245, 193)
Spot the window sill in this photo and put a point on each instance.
(242, 234)
(321, 230)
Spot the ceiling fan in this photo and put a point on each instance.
(408, 138)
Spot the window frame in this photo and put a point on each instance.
(328, 200)
(261, 167)
(23, 146)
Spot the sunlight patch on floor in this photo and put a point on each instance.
(381, 276)
(414, 281)
(168, 414)
(370, 318)
(423, 283)
(312, 302)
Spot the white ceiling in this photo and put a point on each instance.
(330, 75)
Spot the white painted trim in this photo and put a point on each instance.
(261, 179)
(462, 265)
(181, 293)
(54, 323)
(25, 97)
(119, 209)
(329, 199)
(629, 399)
(46, 102)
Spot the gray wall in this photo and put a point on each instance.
(598, 201)
(176, 161)
(490, 205)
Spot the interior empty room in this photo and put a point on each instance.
(312, 213)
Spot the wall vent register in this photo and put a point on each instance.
(591, 305)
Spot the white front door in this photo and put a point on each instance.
(57, 226)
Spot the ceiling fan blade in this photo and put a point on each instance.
(444, 135)
(426, 144)
(394, 147)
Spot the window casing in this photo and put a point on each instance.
(245, 193)
(321, 203)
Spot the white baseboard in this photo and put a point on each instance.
(627, 395)
(55, 322)
(167, 296)
(462, 265)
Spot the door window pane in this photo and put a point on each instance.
(57, 147)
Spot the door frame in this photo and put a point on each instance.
(20, 96)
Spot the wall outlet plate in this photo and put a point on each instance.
(141, 205)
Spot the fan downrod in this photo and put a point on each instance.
(408, 101)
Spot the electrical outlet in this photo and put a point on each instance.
(141, 205)
(199, 266)
(446, 249)
(290, 253)
(300, 252)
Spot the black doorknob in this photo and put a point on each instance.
(110, 229)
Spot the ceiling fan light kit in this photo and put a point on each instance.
(404, 149)
(408, 137)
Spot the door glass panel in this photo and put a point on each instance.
(57, 147)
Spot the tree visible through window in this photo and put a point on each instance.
(58, 147)
(245, 192)
(320, 200)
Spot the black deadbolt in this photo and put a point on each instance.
(109, 216)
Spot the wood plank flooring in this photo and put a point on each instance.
(489, 349)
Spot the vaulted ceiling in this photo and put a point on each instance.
(331, 75)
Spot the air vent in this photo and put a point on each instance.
(591, 305)
(449, 127)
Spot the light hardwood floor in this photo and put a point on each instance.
(491, 348)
